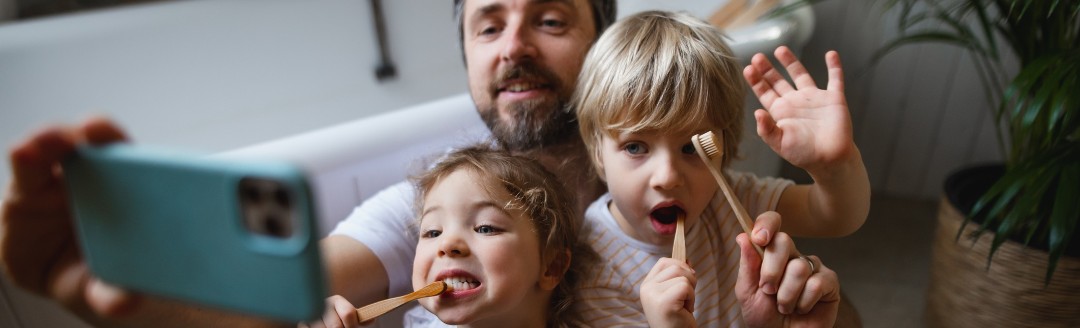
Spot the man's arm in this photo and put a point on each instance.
(354, 270)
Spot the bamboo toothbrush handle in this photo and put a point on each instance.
(678, 250)
(736, 206)
(373, 310)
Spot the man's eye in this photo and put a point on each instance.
(430, 233)
(688, 148)
(635, 148)
(488, 30)
(552, 23)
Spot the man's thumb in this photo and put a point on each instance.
(108, 300)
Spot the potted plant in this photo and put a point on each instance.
(1014, 226)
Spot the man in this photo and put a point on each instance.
(522, 58)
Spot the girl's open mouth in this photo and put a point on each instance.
(461, 283)
(664, 218)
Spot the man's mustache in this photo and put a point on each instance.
(528, 72)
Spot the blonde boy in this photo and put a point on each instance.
(652, 81)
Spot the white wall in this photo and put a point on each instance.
(919, 114)
(216, 75)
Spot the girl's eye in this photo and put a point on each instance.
(688, 148)
(488, 30)
(635, 148)
(486, 229)
(430, 233)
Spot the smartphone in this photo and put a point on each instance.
(231, 234)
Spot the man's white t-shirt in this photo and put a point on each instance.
(386, 224)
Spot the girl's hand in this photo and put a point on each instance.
(339, 313)
(807, 126)
(780, 288)
(667, 294)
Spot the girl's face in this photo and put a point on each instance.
(488, 254)
(653, 177)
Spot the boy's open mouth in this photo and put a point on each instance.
(664, 218)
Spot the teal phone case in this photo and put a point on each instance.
(176, 226)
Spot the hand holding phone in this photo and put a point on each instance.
(236, 235)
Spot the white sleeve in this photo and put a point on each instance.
(385, 223)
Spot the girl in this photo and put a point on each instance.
(500, 231)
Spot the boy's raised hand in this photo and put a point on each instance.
(805, 125)
(779, 288)
(667, 294)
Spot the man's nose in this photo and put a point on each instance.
(518, 43)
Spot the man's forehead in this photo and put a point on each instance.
(489, 6)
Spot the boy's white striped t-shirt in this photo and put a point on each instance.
(609, 293)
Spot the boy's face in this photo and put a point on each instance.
(523, 58)
(488, 254)
(652, 178)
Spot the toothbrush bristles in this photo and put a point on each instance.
(708, 144)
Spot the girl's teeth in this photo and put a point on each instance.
(459, 283)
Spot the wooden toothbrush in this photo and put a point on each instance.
(373, 310)
(678, 250)
(710, 147)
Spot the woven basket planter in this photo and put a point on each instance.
(963, 292)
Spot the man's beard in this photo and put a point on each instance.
(533, 123)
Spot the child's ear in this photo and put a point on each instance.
(556, 268)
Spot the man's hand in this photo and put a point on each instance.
(37, 242)
(667, 294)
(780, 288)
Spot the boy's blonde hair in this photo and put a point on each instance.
(541, 196)
(660, 71)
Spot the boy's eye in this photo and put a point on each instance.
(432, 233)
(635, 148)
(486, 229)
(688, 148)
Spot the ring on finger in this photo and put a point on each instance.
(813, 267)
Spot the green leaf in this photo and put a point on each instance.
(1064, 216)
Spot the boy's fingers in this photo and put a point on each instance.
(346, 312)
(765, 226)
(795, 68)
(770, 75)
(767, 129)
(836, 71)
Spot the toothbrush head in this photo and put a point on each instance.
(708, 147)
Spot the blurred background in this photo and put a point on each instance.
(219, 75)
